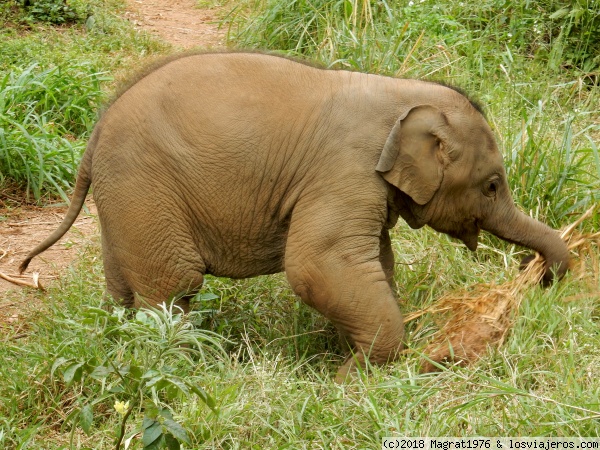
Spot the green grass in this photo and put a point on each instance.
(270, 373)
(52, 83)
(45, 115)
(261, 375)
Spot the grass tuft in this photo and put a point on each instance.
(44, 115)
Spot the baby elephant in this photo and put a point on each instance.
(244, 164)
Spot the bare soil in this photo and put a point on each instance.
(178, 22)
(23, 228)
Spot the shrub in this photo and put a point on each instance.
(51, 11)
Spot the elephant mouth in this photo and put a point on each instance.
(471, 242)
(468, 232)
(469, 235)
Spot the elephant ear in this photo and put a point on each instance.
(412, 157)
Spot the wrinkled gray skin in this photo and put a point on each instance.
(241, 164)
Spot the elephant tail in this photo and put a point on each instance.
(82, 186)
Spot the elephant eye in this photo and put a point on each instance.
(492, 187)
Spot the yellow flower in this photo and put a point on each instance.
(121, 407)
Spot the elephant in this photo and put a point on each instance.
(239, 164)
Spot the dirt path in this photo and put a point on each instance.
(23, 228)
(178, 22)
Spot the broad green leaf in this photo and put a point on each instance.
(86, 418)
(151, 433)
(151, 374)
(118, 389)
(124, 369)
(101, 372)
(171, 442)
(166, 413)
(560, 13)
(204, 396)
(72, 372)
(180, 384)
(158, 383)
(136, 372)
(177, 430)
(157, 444)
(172, 392)
(205, 296)
(154, 380)
(150, 414)
(57, 363)
(141, 317)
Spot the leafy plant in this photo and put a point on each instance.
(137, 369)
(50, 11)
(558, 32)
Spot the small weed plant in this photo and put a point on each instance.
(136, 369)
(51, 11)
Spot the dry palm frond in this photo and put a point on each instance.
(19, 281)
(481, 316)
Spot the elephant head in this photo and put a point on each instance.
(449, 175)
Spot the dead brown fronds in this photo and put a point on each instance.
(18, 280)
(481, 316)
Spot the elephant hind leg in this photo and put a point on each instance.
(175, 284)
(175, 281)
(189, 285)
(117, 286)
(150, 274)
(152, 253)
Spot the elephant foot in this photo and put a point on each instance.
(349, 370)
(356, 362)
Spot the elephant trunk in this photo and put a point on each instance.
(518, 228)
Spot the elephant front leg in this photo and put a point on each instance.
(344, 279)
